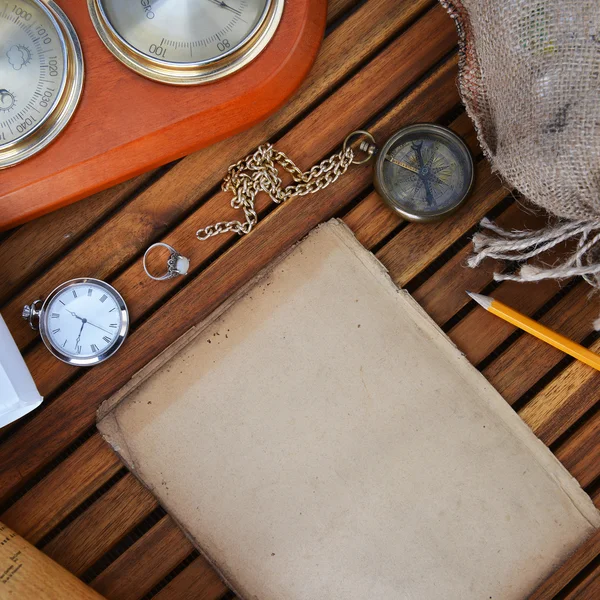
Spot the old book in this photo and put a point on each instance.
(320, 437)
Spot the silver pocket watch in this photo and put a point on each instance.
(82, 322)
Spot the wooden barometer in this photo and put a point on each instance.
(91, 95)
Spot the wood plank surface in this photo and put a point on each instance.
(581, 559)
(314, 136)
(141, 567)
(384, 64)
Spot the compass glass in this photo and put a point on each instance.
(185, 41)
(424, 172)
(32, 68)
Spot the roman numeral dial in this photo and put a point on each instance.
(84, 323)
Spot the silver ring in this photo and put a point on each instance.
(177, 264)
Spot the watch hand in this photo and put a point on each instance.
(98, 327)
(75, 315)
(402, 164)
(80, 331)
(226, 6)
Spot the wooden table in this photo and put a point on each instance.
(384, 64)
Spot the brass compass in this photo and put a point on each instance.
(424, 172)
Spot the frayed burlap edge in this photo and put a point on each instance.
(517, 246)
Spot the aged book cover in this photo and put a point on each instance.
(320, 437)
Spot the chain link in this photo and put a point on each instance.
(258, 173)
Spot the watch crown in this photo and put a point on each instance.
(31, 312)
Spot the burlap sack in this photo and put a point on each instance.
(530, 80)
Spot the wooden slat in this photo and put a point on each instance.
(580, 453)
(197, 582)
(146, 563)
(50, 501)
(554, 584)
(37, 244)
(480, 332)
(588, 588)
(337, 8)
(148, 215)
(314, 137)
(101, 526)
(563, 401)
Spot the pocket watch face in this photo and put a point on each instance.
(185, 41)
(40, 76)
(84, 321)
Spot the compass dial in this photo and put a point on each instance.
(39, 81)
(186, 42)
(424, 172)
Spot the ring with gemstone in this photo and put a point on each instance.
(176, 264)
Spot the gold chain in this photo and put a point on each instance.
(258, 173)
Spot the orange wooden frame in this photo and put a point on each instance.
(126, 125)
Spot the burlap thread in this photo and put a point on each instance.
(530, 81)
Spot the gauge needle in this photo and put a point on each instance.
(225, 5)
(402, 164)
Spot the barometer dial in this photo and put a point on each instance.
(186, 42)
(41, 75)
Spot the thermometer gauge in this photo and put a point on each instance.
(186, 42)
(41, 76)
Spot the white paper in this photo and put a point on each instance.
(18, 393)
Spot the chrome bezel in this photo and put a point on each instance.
(106, 354)
(67, 100)
(192, 73)
(380, 184)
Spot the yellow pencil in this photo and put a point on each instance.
(539, 331)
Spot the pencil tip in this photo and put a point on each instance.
(482, 300)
